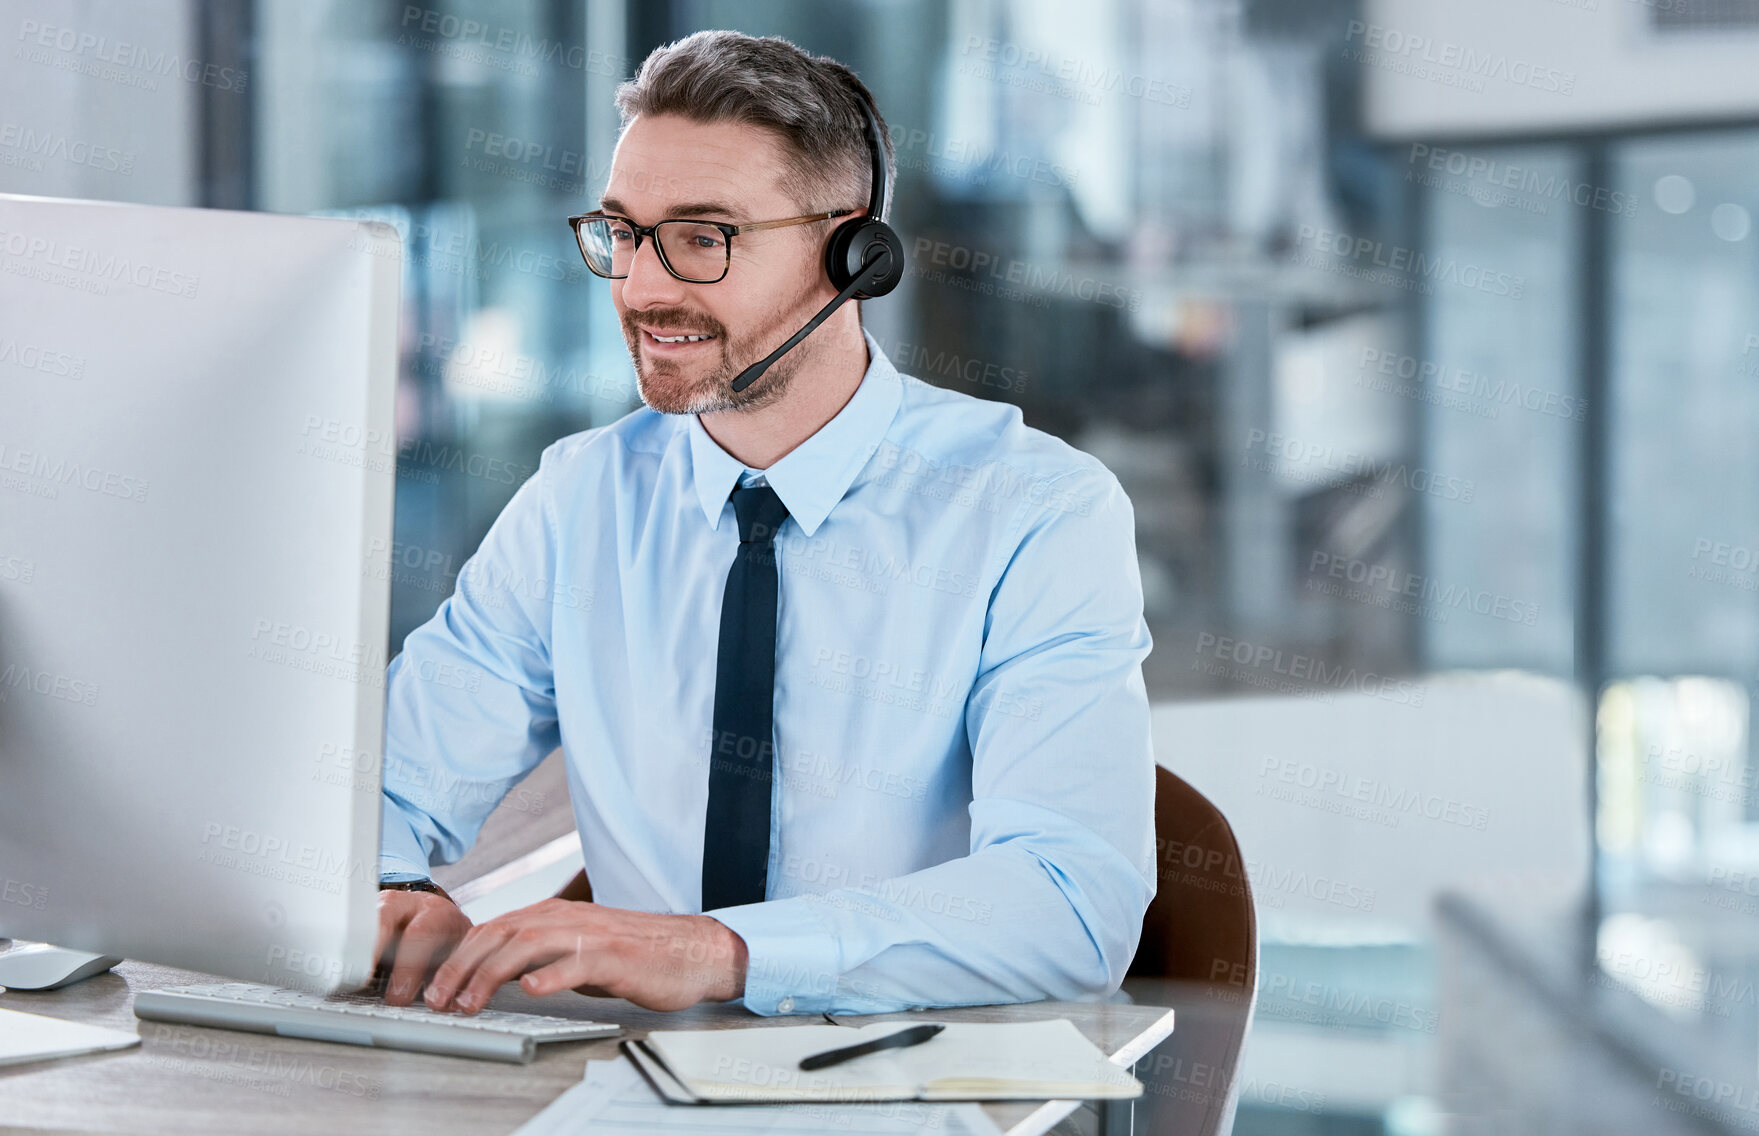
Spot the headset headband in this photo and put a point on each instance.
(876, 197)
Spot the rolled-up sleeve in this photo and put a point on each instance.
(1050, 900)
(471, 701)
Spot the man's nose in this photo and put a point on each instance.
(648, 284)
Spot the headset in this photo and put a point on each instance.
(863, 259)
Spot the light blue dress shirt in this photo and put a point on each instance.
(963, 805)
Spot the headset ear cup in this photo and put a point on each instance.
(852, 244)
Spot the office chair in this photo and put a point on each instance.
(1198, 954)
(578, 889)
(1201, 926)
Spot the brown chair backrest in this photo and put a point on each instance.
(1199, 955)
(1201, 926)
(578, 889)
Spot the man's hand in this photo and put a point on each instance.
(662, 962)
(417, 930)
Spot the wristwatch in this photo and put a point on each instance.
(419, 883)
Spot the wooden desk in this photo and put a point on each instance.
(190, 1079)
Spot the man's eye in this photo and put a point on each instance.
(706, 240)
(622, 233)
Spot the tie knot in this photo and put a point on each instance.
(760, 513)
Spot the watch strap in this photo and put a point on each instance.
(416, 885)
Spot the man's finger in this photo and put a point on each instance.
(514, 957)
(423, 943)
(415, 932)
(570, 972)
(478, 943)
(393, 913)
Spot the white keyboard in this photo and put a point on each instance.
(355, 1019)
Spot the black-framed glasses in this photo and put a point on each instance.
(696, 252)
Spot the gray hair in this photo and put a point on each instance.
(811, 102)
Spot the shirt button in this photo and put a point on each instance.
(786, 1006)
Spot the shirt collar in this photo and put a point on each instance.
(813, 476)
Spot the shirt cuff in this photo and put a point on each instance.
(792, 957)
(400, 849)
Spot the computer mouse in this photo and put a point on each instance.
(42, 966)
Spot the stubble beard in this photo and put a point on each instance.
(673, 388)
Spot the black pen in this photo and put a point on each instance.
(915, 1035)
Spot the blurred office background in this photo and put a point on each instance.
(1422, 334)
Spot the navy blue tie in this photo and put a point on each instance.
(736, 842)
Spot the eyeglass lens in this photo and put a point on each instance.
(695, 252)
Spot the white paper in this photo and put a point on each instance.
(615, 1100)
(34, 1037)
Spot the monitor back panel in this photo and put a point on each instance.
(197, 458)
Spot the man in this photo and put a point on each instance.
(846, 667)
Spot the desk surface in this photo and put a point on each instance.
(189, 1079)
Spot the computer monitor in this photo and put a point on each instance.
(197, 457)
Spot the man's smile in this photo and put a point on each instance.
(670, 343)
